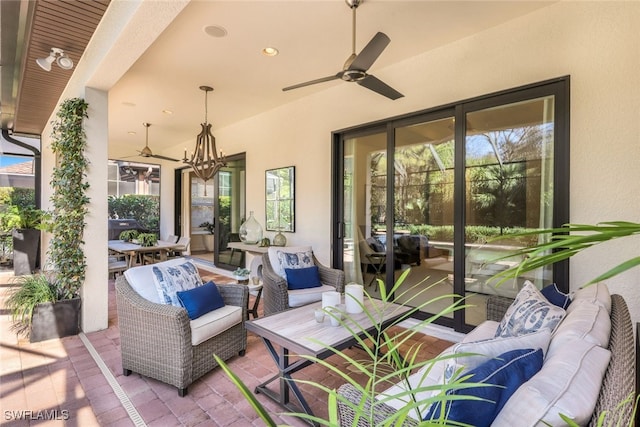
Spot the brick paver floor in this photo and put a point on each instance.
(57, 382)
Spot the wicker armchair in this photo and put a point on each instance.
(617, 385)
(275, 295)
(155, 339)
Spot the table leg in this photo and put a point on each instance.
(254, 310)
(286, 383)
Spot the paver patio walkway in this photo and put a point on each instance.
(58, 382)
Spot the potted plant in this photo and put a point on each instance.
(147, 239)
(129, 235)
(208, 239)
(26, 224)
(241, 275)
(39, 310)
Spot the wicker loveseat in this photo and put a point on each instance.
(156, 339)
(618, 383)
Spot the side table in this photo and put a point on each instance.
(255, 290)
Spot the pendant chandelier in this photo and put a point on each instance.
(205, 160)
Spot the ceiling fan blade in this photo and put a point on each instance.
(370, 53)
(158, 156)
(377, 85)
(312, 82)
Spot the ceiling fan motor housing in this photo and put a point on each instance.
(353, 75)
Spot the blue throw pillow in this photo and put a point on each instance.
(506, 373)
(303, 278)
(555, 297)
(201, 300)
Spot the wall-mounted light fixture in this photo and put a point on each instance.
(59, 57)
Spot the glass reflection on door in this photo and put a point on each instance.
(509, 177)
(423, 213)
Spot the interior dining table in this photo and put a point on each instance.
(131, 250)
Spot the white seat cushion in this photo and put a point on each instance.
(214, 322)
(141, 279)
(300, 297)
(597, 293)
(484, 331)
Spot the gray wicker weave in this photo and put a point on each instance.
(618, 383)
(155, 339)
(275, 296)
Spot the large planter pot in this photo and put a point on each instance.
(207, 240)
(55, 320)
(26, 243)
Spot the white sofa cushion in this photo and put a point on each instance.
(586, 321)
(568, 383)
(473, 354)
(278, 261)
(484, 331)
(597, 293)
(141, 279)
(529, 312)
(214, 322)
(300, 297)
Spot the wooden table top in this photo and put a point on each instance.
(121, 246)
(297, 330)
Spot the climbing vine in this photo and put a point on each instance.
(69, 197)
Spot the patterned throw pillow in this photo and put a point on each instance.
(529, 312)
(171, 279)
(294, 260)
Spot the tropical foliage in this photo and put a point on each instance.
(27, 292)
(143, 208)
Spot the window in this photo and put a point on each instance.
(440, 191)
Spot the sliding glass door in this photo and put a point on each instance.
(440, 192)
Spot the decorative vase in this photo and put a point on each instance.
(250, 231)
(279, 239)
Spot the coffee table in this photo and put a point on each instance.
(296, 332)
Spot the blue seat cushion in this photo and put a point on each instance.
(303, 278)
(201, 300)
(503, 374)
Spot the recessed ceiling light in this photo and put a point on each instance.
(270, 51)
(215, 31)
(131, 132)
(128, 104)
(167, 112)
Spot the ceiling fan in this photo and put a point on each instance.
(356, 66)
(146, 151)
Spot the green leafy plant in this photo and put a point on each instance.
(241, 272)
(128, 235)
(147, 239)
(27, 292)
(144, 208)
(382, 365)
(69, 197)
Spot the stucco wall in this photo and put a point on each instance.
(596, 43)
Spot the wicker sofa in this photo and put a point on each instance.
(617, 384)
(156, 339)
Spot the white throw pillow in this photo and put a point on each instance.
(586, 321)
(597, 293)
(529, 312)
(568, 383)
(275, 257)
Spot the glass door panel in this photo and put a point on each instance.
(364, 253)
(202, 214)
(509, 176)
(230, 212)
(423, 171)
